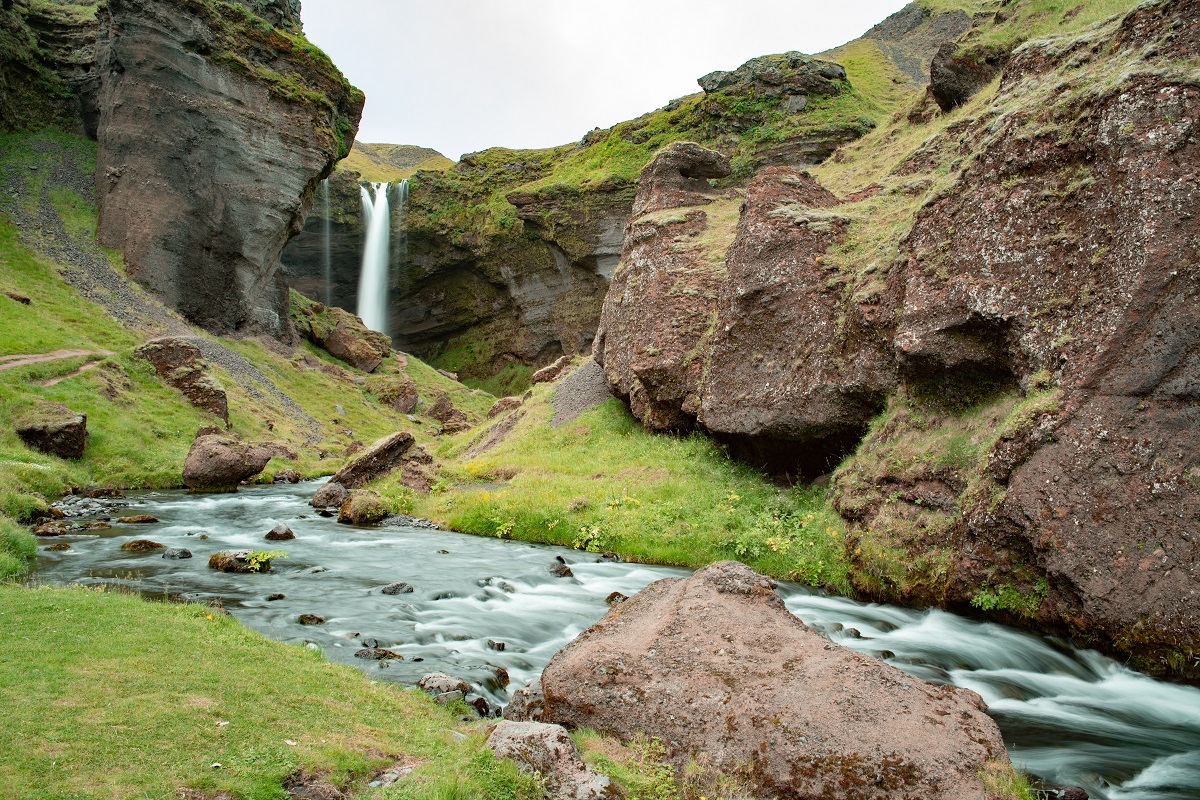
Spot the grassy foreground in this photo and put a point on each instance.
(137, 712)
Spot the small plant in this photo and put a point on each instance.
(260, 560)
(502, 527)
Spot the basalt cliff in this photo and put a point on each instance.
(980, 325)
(215, 123)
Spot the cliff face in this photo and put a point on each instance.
(215, 127)
(994, 330)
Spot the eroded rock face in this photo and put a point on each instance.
(659, 310)
(954, 75)
(220, 463)
(55, 430)
(179, 363)
(383, 456)
(714, 666)
(795, 370)
(204, 172)
(1064, 267)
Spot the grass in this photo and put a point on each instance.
(134, 713)
(602, 483)
(392, 162)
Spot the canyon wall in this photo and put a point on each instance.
(989, 345)
(215, 128)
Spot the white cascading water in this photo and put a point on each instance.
(401, 231)
(373, 279)
(326, 249)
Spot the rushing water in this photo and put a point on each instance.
(1072, 717)
(373, 279)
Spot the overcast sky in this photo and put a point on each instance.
(464, 75)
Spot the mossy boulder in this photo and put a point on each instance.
(362, 507)
(54, 429)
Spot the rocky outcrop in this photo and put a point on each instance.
(659, 311)
(217, 463)
(53, 429)
(955, 75)
(215, 127)
(548, 752)
(383, 456)
(331, 495)
(717, 669)
(795, 370)
(362, 507)
(341, 334)
(178, 362)
(1056, 271)
(911, 37)
(552, 372)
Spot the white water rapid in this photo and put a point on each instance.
(373, 279)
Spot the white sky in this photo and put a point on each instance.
(464, 75)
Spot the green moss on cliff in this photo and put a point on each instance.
(32, 94)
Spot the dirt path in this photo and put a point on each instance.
(22, 360)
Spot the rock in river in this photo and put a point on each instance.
(714, 664)
(280, 533)
(220, 463)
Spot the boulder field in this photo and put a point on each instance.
(716, 668)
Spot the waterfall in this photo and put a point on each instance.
(373, 280)
(326, 248)
(401, 231)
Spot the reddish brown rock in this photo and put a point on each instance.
(956, 74)
(715, 667)
(398, 394)
(795, 371)
(379, 459)
(678, 176)
(658, 315)
(178, 362)
(220, 463)
(1062, 261)
(54, 429)
(444, 411)
(331, 495)
(503, 406)
(342, 335)
(139, 519)
(550, 373)
(142, 546)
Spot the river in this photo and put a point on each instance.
(1070, 716)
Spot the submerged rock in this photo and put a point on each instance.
(398, 588)
(142, 546)
(238, 561)
(311, 619)
(715, 666)
(221, 463)
(330, 495)
(177, 553)
(377, 654)
(139, 519)
(280, 533)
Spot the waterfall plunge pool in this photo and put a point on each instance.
(1072, 717)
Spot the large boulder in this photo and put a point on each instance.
(547, 751)
(797, 369)
(659, 309)
(341, 334)
(678, 176)
(385, 455)
(220, 463)
(956, 74)
(716, 668)
(178, 362)
(54, 429)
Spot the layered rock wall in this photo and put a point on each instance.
(215, 128)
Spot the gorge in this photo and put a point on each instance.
(910, 325)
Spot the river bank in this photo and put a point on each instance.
(478, 604)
